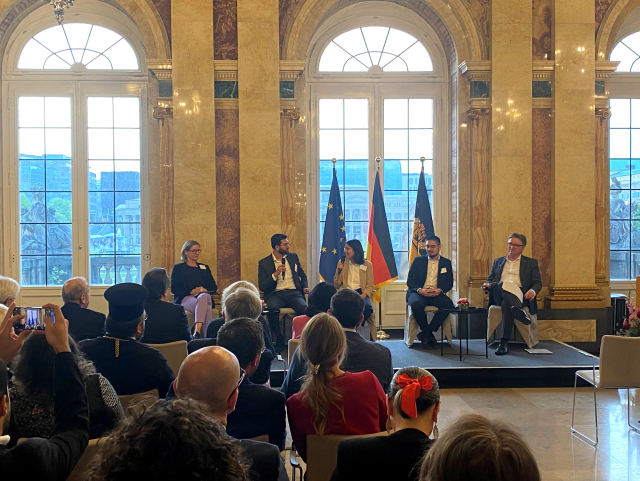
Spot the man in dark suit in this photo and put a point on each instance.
(83, 322)
(260, 409)
(430, 278)
(516, 269)
(130, 366)
(347, 306)
(53, 458)
(283, 283)
(212, 375)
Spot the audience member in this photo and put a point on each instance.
(172, 440)
(165, 322)
(192, 285)
(333, 401)
(83, 322)
(216, 324)
(32, 397)
(413, 404)
(362, 355)
(130, 366)
(242, 302)
(475, 448)
(260, 409)
(9, 290)
(319, 301)
(54, 458)
(209, 375)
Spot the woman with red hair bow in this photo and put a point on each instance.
(413, 404)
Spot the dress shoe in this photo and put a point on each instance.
(431, 341)
(503, 348)
(519, 314)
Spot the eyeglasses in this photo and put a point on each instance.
(195, 251)
(243, 373)
(514, 245)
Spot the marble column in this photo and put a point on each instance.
(288, 120)
(259, 127)
(167, 220)
(602, 200)
(574, 216)
(510, 123)
(194, 127)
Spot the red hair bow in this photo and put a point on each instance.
(411, 392)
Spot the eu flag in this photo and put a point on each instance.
(333, 240)
(423, 222)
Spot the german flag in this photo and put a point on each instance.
(379, 247)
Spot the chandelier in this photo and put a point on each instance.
(59, 7)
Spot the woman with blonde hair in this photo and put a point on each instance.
(333, 401)
(413, 404)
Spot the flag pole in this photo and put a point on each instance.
(381, 335)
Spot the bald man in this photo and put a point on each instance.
(83, 322)
(212, 375)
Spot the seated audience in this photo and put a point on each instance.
(260, 409)
(355, 273)
(165, 322)
(209, 375)
(192, 285)
(477, 448)
(83, 322)
(362, 355)
(172, 440)
(32, 409)
(54, 458)
(243, 302)
(333, 401)
(9, 290)
(130, 366)
(319, 301)
(413, 404)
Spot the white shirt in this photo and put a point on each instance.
(511, 271)
(431, 282)
(287, 282)
(354, 276)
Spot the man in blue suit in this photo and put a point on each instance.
(430, 278)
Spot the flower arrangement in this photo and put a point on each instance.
(631, 325)
(464, 304)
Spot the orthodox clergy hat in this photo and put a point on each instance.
(126, 301)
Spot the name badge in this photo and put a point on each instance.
(295, 267)
(203, 267)
(363, 267)
(443, 270)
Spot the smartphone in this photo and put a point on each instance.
(33, 318)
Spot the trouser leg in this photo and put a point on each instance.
(418, 303)
(442, 302)
(274, 303)
(203, 312)
(506, 300)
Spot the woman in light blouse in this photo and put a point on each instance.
(355, 273)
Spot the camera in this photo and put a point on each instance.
(33, 318)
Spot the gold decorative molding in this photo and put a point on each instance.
(226, 104)
(480, 104)
(293, 114)
(291, 69)
(603, 113)
(605, 68)
(475, 114)
(228, 69)
(577, 293)
(542, 103)
(542, 70)
(159, 113)
(476, 70)
(161, 68)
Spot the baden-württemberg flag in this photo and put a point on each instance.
(422, 223)
(379, 247)
(333, 240)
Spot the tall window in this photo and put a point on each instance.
(78, 157)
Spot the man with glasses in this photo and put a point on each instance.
(513, 283)
(212, 375)
(430, 278)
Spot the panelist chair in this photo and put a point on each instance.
(411, 327)
(142, 399)
(191, 318)
(174, 352)
(522, 333)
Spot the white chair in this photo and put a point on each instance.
(142, 399)
(618, 369)
(293, 345)
(529, 333)
(174, 352)
(411, 327)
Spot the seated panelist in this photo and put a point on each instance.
(355, 272)
(430, 278)
(509, 275)
(192, 285)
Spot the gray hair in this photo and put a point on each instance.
(426, 399)
(242, 303)
(186, 247)
(9, 289)
(235, 286)
(522, 238)
(73, 294)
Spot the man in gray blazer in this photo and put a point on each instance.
(525, 274)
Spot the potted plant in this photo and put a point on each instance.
(631, 324)
(464, 304)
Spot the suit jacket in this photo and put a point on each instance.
(529, 278)
(418, 275)
(166, 322)
(397, 456)
(362, 355)
(184, 279)
(266, 268)
(83, 323)
(259, 410)
(54, 458)
(341, 279)
(265, 462)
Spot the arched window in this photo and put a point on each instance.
(75, 142)
(627, 52)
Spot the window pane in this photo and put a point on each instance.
(356, 144)
(59, 240)
(420, 113)
(356, 175)
(101, 175)
(620, 113)
(620, 143)
(396, 144)
(126, 112)
(420, 143)
(33, 270)
(356, 113)
(619, 206)
(331, 113)
(620, 264)
(620, 235)
(57, 111)
(31, 112)
(58, 207)
(30, 143)
(331, 144)
(396, 113)
(333, 58)
(57, 143)
(100, 144)
(99, 112)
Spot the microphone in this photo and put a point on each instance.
(342, 262)
(283, 260)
